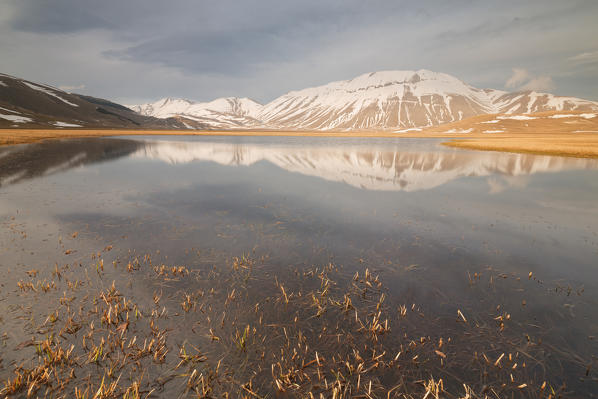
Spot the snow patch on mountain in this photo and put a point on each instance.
(48, 92)
(8, 110)
(65, 124)
(16, 118)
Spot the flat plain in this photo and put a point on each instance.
(562, 133)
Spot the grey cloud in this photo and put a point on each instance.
(210, 54)
(58, 16)
(142, 50)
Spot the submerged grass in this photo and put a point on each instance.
(249, 330)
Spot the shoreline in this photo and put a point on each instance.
(576, 145)
(563, 145)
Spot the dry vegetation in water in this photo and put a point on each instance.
(244, 330)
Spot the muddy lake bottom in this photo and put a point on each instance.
(295, 267)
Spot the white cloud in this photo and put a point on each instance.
(71, 88)
(521, 79)
(590, 57)
(518, 77)
(540, 83)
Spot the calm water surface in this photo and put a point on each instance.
(445, 229)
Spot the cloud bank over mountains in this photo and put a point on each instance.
(521, 79)
(141, 50)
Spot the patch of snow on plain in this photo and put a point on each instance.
(560, 116)
(413, 129)
(459, 130)
(64, 124)
(518, 117)
(492, 121)
(585, 116)
(48, 92)
(16, 118)
(493, 131)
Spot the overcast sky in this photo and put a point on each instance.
(134, 51)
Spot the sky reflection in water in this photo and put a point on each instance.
(350, 194)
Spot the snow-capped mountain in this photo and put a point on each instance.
(390, 100)
(229, 112)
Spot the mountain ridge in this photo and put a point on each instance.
(222, 112)
(27, 104)
(386, 100)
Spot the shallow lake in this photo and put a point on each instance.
(430, 263)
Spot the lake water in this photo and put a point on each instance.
(483, 266)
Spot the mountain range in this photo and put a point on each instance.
(388, 100)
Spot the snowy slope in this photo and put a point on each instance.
(530, 101)
(388, 99)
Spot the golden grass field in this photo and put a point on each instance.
(575, 135)
(549, 133)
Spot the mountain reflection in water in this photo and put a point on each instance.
(368, 167)
(27, 161)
